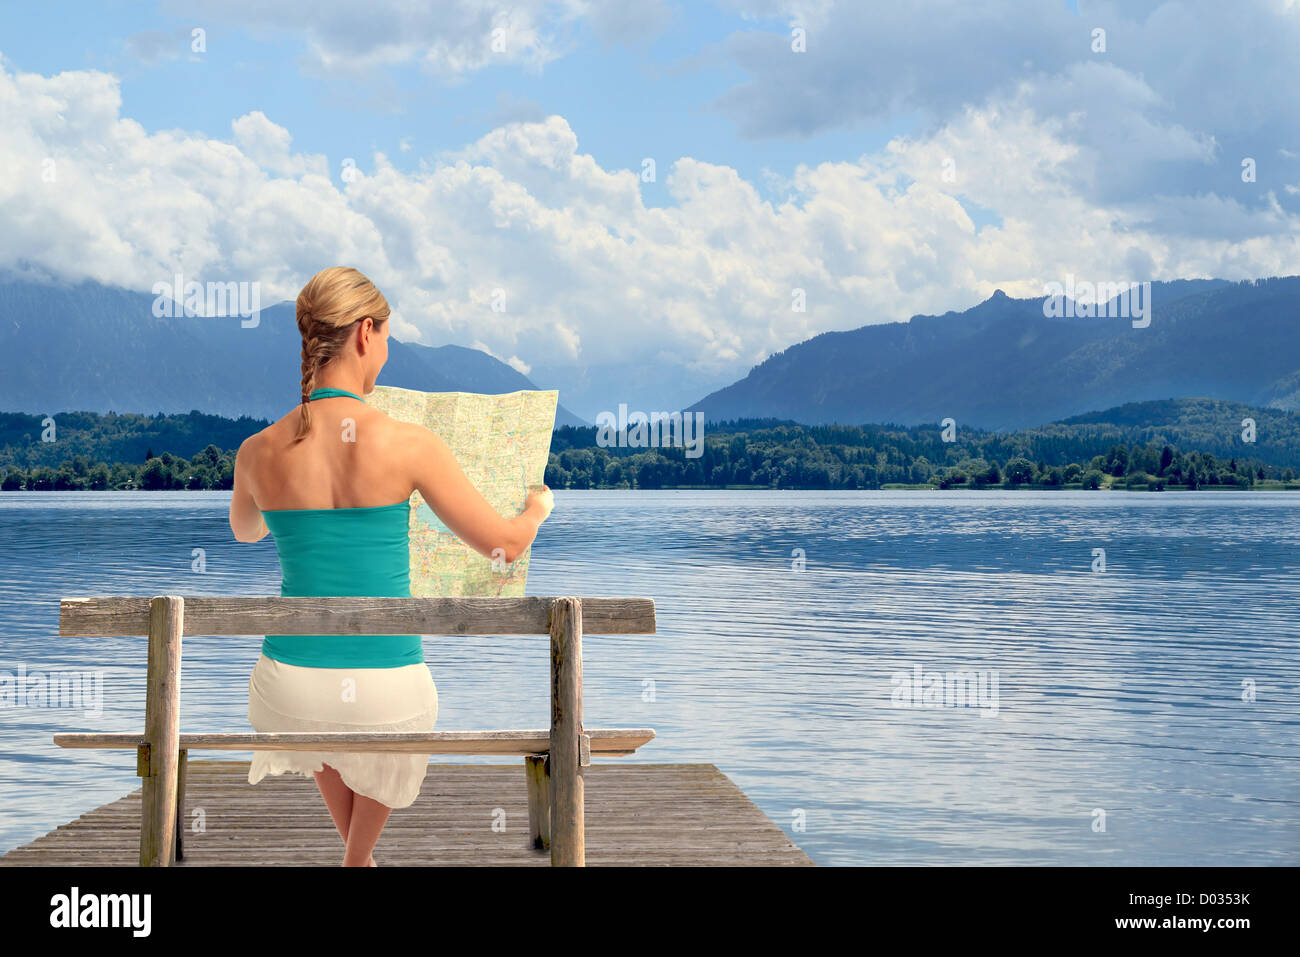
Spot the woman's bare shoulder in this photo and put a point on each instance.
(407, 435)
(286, 423)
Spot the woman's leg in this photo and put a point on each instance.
(340, 799)
(368, 819)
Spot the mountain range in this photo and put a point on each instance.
(1004, 365)
(96, 348)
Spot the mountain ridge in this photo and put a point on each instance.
(92, 347)
(1003, 364)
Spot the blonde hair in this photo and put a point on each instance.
(329, 307)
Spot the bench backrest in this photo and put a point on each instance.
(259, 615)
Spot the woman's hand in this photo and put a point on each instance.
(541, 498)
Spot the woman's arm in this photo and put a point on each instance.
(245, 517)
(460, 506)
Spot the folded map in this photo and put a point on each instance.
(502, 443)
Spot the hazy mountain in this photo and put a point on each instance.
(97, 348)
(1002, 364)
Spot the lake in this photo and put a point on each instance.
(892, 677)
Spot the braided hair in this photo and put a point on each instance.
(329, 307)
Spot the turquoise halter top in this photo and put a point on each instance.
(343, 551)
(329, 392)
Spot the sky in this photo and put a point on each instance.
(638, 202)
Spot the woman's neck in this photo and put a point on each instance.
(347, 383)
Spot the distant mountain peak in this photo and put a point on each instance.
(1002, 364)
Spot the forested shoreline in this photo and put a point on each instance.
(740, 454)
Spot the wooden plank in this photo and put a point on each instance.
(275, 614)
(604, 742)
(636, 815)
(162, 731)
(567, 830)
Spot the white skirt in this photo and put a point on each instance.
(285, 697)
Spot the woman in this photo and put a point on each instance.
(331, 481)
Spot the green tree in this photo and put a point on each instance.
(1117, 460)
(66, 479)
(210, 456)
(155, 475)
(1020, 471)
(1166, 459)
(41, 479)
(1092, 479)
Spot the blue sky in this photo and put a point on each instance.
(910, 159)
(651, 100)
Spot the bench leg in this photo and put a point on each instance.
(568, 838)
(162, 733)
(180, 804)
(538, 769)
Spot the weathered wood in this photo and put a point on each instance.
(180, 803)
(161, 751)
(636, 815)
(567, 818)
(274, 614)
(162, 730)
(538, 778)
(604, 742)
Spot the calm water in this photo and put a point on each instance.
(1117, 691)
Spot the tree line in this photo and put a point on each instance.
(784, 457)
(790, 457)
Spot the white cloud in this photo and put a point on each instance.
(1177, 78)
(516, 363)
(267, 144)
(449, 38)
(586, 272)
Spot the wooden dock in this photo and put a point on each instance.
(636, 814)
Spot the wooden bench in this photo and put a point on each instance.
(554, 758)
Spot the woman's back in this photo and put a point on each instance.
(351, 457)
(336, 549)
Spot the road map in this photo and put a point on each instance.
(502, 443)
